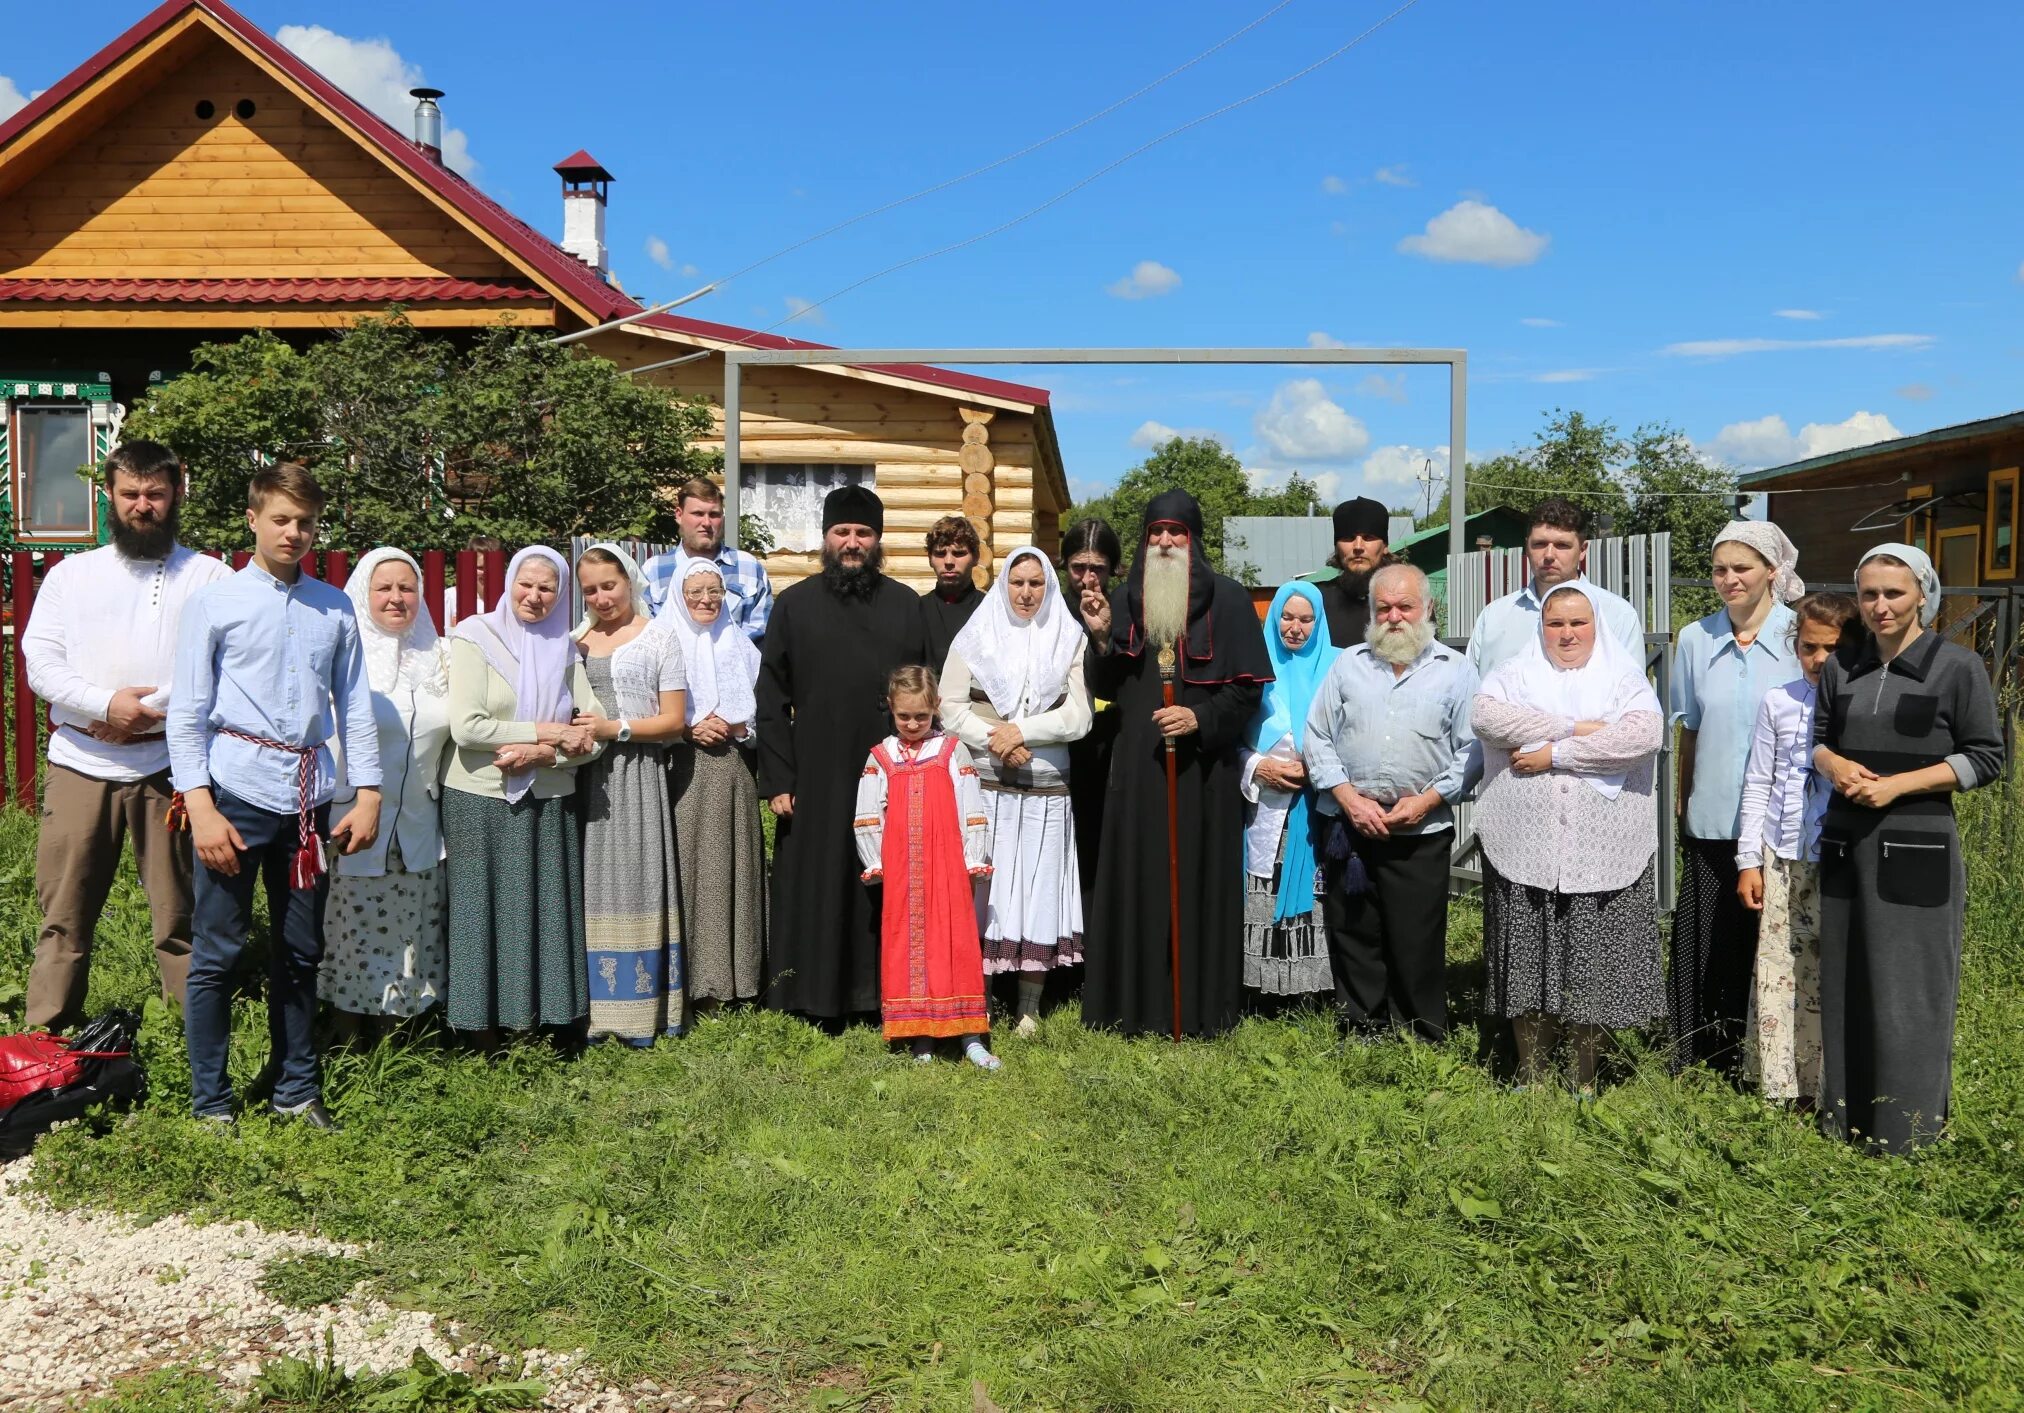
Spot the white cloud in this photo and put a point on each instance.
(1391, 389)
(1403, 465)
(1566, 375)
(1151, 434)
(1334, 186)
(1393, 176)
(373, 72)
(1318, 339)
(12, 100)
(1726, 348)
(1301, 424)
(803, 311)
(1798, 313)
(1148, 280)
(1538, 323)
(658, 252)
(1916, 392)
(1769, 441)
(1474, 233)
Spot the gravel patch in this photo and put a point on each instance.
(89, 1297)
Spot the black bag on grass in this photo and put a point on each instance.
(95, 1065)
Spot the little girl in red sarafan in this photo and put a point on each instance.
(922, 834)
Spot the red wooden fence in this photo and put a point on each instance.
(24, 723)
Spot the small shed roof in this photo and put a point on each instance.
(1428, 548)
(583, 167)
(1279, 547)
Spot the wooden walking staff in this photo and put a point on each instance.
(1173, 838)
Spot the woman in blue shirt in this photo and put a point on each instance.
(1723, 665)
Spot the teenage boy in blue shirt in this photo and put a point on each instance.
(260, 659)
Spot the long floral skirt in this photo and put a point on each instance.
(1783, 1053)
(383, 948)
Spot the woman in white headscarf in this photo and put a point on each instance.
(1013, 691)
(1902, 723)
(383, 956)
(1723, 665)
(717, 828)
(631, 896)
(511, 836)
(1567, 816)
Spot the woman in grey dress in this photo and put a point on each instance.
(717, 830)
(1903, 721)
(631, 902)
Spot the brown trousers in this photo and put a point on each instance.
(84, 822)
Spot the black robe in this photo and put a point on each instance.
(945, 619)
(822, 674)
(1346, 601)
(1128, 978)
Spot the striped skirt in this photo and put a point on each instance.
(631, 896)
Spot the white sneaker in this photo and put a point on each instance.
(1027, 1028)
(983, 1059)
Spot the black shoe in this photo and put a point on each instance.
(310, 1115)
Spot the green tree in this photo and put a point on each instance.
(1208, 471)
(425, 445)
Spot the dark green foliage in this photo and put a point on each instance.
(1207, 470)
(425, 445)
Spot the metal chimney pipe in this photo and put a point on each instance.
(428, 120)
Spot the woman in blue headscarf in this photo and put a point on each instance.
(1285, 947)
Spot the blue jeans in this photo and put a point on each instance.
(222, 914)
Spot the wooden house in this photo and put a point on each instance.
(194, 181)
(1952, 492)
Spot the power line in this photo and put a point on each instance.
(1096, 175)
(1476, 485)
(1009, 157)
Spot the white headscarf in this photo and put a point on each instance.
(1021, 663)
(1778, 551)
(1921, 565)
(641, 601)
(1610, 685)
(722, 663)
(416, 659)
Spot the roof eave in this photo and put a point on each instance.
(1876, 451)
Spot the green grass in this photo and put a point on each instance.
(1266, 1222)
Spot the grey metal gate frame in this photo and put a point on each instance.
(1456, 360)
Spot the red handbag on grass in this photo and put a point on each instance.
(45, 1079)
(33, 1061)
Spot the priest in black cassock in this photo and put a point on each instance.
(1362, 533)
(832, 641)
(953, 550)
(1172, 599)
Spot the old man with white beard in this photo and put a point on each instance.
(1390, 749)
(1173, 603)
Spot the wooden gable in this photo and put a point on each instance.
(274, 190)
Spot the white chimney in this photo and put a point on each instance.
(585, 185)
(428, 121)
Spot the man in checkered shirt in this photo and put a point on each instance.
(748, 597)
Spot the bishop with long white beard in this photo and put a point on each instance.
(1390, 749)
(1173, 599)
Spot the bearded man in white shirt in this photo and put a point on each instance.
(100, 647)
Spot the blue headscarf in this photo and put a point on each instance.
(1296, 677)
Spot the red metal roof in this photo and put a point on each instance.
(303, 291)
(581, 164)
(546, 261)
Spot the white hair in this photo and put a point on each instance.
(1416, 578)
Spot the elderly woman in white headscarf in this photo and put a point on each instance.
(717, 829)
(1569, 825)
(1723, 665)
(1013, 691)
(510, 831)
(1903, 722)
(631, 895)
(383, 955)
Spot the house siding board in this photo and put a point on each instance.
(1278, 547)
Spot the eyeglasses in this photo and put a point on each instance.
(703, 595)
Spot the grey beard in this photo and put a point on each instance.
(1399, 645)
(848, 582)
(1166, 596)
(146, 542)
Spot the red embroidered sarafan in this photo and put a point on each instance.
(931, 963)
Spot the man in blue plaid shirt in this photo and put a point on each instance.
(748, 597)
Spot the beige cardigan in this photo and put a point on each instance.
(481, 720)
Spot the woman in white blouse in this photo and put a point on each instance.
(384, 958)
(1569, 827)
(1013, 692)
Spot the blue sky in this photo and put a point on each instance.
(1784, 228)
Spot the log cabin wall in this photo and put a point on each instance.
(277, 191)
(931, 454)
